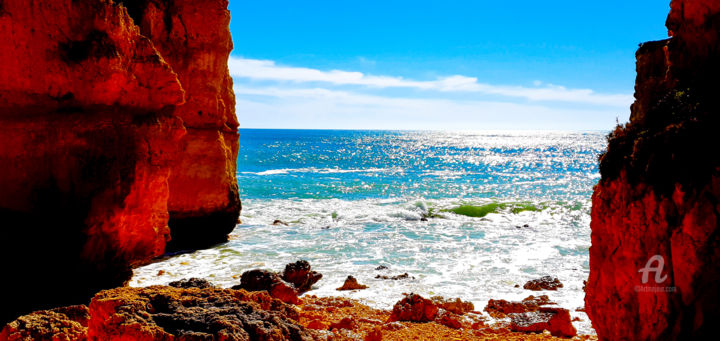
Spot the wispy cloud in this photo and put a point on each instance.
(275, 107)
(266, 70)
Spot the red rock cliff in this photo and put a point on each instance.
(94, 131)
(655, 251)
(194, 37)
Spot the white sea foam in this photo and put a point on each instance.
(476, 259)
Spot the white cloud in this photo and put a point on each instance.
(266, 70)
(323, 108)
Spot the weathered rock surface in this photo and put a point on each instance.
(414, 308)
(164, 313)
(193, 36)
(543, 283)
(95, 126)
(167, 313)
(351, 283)
(301, 276)
(655, 212)
(65, 323)
(501, 308)
(556, 320)
(191, 283)
(264, 280)
(455, 306)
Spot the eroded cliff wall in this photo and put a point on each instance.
(655, 251)
(92, 128)
(194, 38)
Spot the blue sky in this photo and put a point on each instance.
(469, 65)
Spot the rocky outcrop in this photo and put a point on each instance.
(351, 283)
(556, 320)
(414, 308)
(91, 132)
(164, 313)
(65, 323)
(193, 36)
(301, 276)
(655, 212)
(543, 283)
(264, 280)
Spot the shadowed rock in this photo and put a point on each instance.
(300, 275)
(258, 280)
(553, 319)
(543, 283)
(191, 283)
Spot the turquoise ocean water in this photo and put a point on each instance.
(468, 215)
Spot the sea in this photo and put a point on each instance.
(472, 215)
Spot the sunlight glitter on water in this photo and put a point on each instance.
(354, 200)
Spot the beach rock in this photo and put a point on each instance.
(414, 308)
(500, 308)
(374, 335)
(345, 323)
(543, 283)
(65, 323)
(450, 320)
(381, 267)
(167, 313)
(279, 222)
(456, 306)
(553, 319)
(654, 253)
(300, 275)
(191, 283)
(259, 280)
(351, 284)
(395, 278)
(96, 128)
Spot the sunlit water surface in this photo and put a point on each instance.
(355, 200)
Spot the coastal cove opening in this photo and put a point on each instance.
(473, 215)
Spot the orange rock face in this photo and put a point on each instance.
(194, 38)
(91, 132)
(655, 212)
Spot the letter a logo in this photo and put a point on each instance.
(656, 269)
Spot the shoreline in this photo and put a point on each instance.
(322, 318)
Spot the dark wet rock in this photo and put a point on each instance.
(300, 275)
(65, 323)
(543, 283)
(456, 306)
(381, 267)
(500, 308)
(556, 320)
(167, 313)
(259, 280)
(351, 284)
(279, 222)
(395, 278)
(191, 283)
(414, 308)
